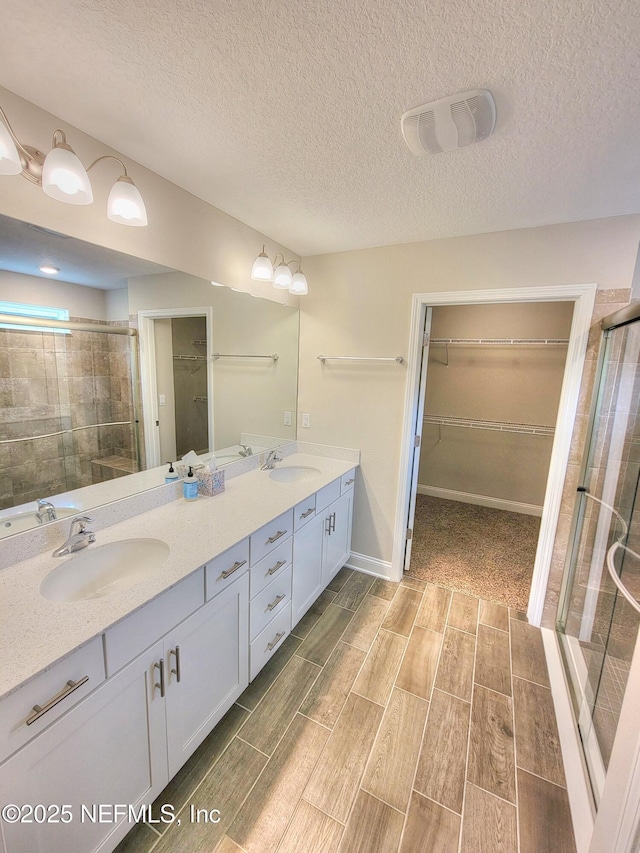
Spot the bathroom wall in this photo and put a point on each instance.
(360, 304)
(80, 301)
(184, 232)
(517, 384)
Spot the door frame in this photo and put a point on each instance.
(149, 377)
(583, 297)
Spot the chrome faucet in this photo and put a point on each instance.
(270, 463)
(46, 511)
(246, 450)
(79, 537)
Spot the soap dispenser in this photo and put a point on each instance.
(190, 486)
(172, 475)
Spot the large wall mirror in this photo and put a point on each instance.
(151, 364)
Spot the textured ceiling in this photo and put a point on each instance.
(286, 114)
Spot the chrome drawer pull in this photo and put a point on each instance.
(275, 538)
(176, 671)
(277, 566)
(234, 568)
(39, 710)
(276, 601)
(348, 482)
(332, 523)
(308, 512)
(160, 686)
(275, 641)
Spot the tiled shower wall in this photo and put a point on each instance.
(51, 382)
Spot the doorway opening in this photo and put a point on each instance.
(458, 421)
(494, 378)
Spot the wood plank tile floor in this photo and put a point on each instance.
(395, 719)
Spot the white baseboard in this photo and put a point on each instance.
(578, 789)
(369, 565)
(480, 500)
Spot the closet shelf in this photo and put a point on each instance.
(502, 342)
(499, 426)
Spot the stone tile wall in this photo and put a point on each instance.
(51, 382)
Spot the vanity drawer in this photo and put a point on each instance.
(51, 691)
(126, 640)
(269, 602)
(224, 569)
(270, 536)
(269, 641)
(304, 512)
(327, 495)
(270, 567)
(347, 481)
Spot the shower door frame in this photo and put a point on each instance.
(583, 297)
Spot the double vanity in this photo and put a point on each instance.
(117, 666)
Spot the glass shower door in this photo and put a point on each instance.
(598, 617)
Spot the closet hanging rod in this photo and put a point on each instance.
(273, 357)
(398, 358)
(502, 341)
(190, 357)
(499, 426)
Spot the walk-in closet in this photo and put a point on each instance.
(493, 386)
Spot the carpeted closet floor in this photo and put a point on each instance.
(475, 549)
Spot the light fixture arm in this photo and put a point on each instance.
(21, 149)
(109, 157)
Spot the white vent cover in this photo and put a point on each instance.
(450, 123)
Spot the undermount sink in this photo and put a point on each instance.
(294, 473)
(97, 572)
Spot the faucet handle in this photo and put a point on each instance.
(81, 522)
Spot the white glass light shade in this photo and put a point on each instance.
(262, 269)
(65, 178)
(282, 277)
(9, 158)
(299, 285)
(125, 204)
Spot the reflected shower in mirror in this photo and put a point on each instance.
(72, 425)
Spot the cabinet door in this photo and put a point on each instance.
(207, 668)
(307, 567)
(337, 536)
(110, 748)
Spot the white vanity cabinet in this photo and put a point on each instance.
(321, 547)
(110, 748)
(125, 741)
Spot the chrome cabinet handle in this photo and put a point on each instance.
(275, 568)
(332, 524)
(67, 690)
(176, 653)
(275, 641)
(276, 601)
(348, 482)
(327, 528)
(308, 512)
(275, 538)
(234, 568)
(160, 686)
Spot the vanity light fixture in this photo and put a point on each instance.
(282, 278)
(63, 177)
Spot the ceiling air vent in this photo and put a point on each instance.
(450, 123)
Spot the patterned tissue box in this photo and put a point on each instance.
(210, 482)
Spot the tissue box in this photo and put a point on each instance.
(210, 482)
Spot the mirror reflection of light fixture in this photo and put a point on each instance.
(263, 270)
(63, 177)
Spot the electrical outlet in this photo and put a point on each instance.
(306, 420)
(162, 400)
(287, 418)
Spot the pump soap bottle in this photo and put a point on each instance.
(190, 486)
(172, 475)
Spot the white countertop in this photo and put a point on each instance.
(35, 632)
